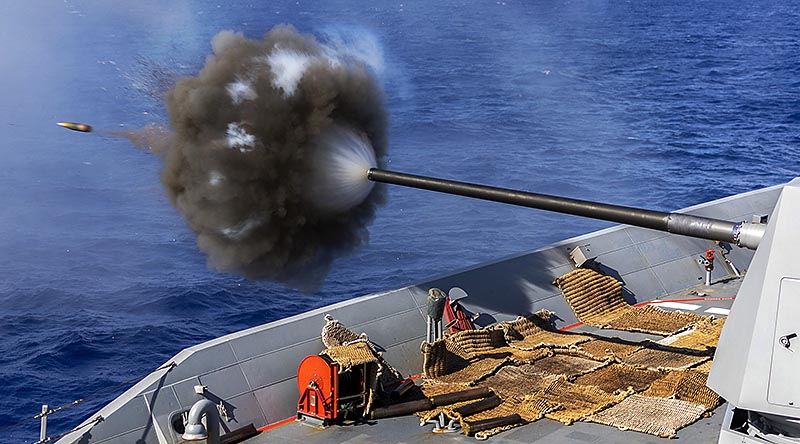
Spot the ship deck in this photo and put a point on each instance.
(715, 300)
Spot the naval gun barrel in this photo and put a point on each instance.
(743, 234)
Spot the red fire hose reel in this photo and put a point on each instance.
(326, 395)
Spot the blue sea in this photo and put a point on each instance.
(656, 104)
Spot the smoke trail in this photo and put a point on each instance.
(152, 138)
(268, 156)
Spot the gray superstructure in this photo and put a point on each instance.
(252, 372)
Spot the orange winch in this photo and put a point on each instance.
(326, 395)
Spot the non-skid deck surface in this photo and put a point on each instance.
(406, 429)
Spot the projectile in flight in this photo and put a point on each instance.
(82, 127)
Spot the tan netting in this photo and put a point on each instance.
(656, 416)
(529, 408)
(597, 300)
(577, 401)
(657, 359)
(430, 389)
(536, 370)
(434, 389)
(359, 353)
(603, 349)
(516, 381)
(704, 336)
(617, 377)
(445, 361)
(335, 334)
(651, 319)
(687, 385)
(536, 331)
(704, 367)
(473, 372)
(476, 343)
(561, 364)
(594, 298)
(351, 355)
(519, 356)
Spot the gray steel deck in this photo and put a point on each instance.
(407, 430)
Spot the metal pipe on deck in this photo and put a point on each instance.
(195, 430)
(742, 234)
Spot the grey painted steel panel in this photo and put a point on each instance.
(679, 274)
(660, 251)
(243, 410)
(721, 211)
(624, 261)
(406, 357)
(184, 390)
(134, 412)
(396, 329)
(140, 436)
(280, 336)
(644, 285)
(163, 403)
(197, 363)
(609, 240)
(226, 383)
(278, 366)
(639, 235)
(272, 400)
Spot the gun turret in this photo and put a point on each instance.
(743, 234)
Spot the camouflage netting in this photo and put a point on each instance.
(349, 350)
(538, 371)
(517, 381)
(464, 357)
(529, 408)
(603, 349)
(536, 331)
(656, 416)
(687, 385)
(704, 336)
(571, 377)
(597, 300)
(655, 358)
(349, 356)
(653, 320)
(577, 401)
(616, 377)
(704, 367)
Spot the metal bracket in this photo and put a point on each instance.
(441, 424)
(223, 411)
(786, 340)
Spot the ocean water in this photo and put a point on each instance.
(651, 104)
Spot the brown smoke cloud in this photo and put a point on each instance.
(251, 135)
